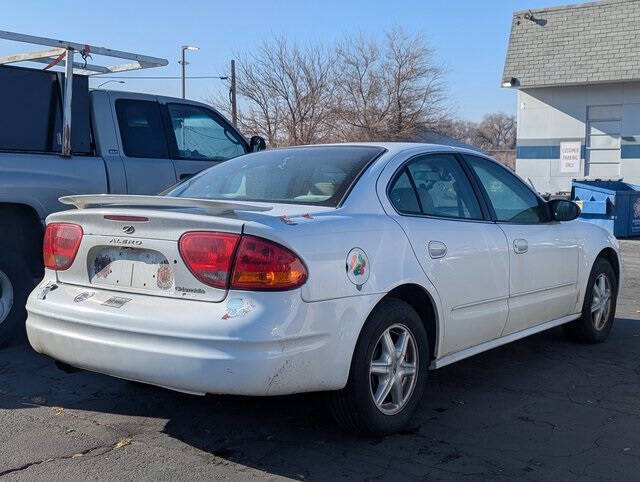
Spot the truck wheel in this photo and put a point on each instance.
(15, 285)
(599, 308)
(388, 372)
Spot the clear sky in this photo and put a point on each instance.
(469, 36)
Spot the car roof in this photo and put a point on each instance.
(393, 148)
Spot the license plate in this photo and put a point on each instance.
(131, 267)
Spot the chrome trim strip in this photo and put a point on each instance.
(478, 303)
(540, 290)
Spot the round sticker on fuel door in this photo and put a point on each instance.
(357, 267)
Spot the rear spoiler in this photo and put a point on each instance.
(211, 206)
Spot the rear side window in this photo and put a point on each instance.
(141, 128)
(442, 189)
(402, 195)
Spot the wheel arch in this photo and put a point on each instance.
(611, 256)
(420, 300)
(26, 231)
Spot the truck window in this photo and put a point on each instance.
(141, 128)
(199, 135)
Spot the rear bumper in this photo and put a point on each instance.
(258, 344)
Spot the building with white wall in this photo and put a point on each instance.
(577, 72)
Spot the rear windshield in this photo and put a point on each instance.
(299, 175)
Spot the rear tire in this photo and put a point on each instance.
(392, 345)
(15, 285)
(599, 307)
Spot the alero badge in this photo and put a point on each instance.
(357, 267)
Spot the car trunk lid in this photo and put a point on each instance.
(129, 249)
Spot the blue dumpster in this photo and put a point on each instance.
(614, 205)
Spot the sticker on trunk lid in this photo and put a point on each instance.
(102, 266)
(116, 301)
(84, 296)
(296, 218)
(164, 277)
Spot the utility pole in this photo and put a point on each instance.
(183, 63)
(232, 91)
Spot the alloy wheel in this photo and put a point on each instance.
(601, 301)
(393, 370)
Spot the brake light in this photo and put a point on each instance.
(241, 262)
(131, 219)
(208, 255)
(60, 245)
(264, 265)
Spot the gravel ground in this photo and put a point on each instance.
(540, 408)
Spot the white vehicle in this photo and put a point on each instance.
(352, 269)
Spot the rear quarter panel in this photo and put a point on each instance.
(324, 243)
(325, 240)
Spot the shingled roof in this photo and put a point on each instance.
(586, 43)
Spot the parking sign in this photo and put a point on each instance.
(570, 153)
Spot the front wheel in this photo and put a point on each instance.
(388, 372)
(599, 308)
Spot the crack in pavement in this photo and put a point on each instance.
(102, 449)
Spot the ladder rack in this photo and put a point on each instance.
(61, 49)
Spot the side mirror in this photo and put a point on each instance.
(562, 210)
(257, 143)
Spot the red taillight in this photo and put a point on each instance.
(258, 264)
(264, 265)
(60, 245)
(208, 255)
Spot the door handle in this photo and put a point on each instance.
(437, 249)
(520, 246)
(186, 175)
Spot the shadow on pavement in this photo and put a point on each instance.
(540, 407)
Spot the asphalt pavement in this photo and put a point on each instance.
(542, 408)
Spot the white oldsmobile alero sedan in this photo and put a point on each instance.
(350, 269)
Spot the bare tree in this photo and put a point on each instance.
(390, 91)
(495, 135)
(359, 89)
(363, 101)
(497, 131)
(415, 82)
(460, 129)
(285, 92)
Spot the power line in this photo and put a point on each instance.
(159, 77)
